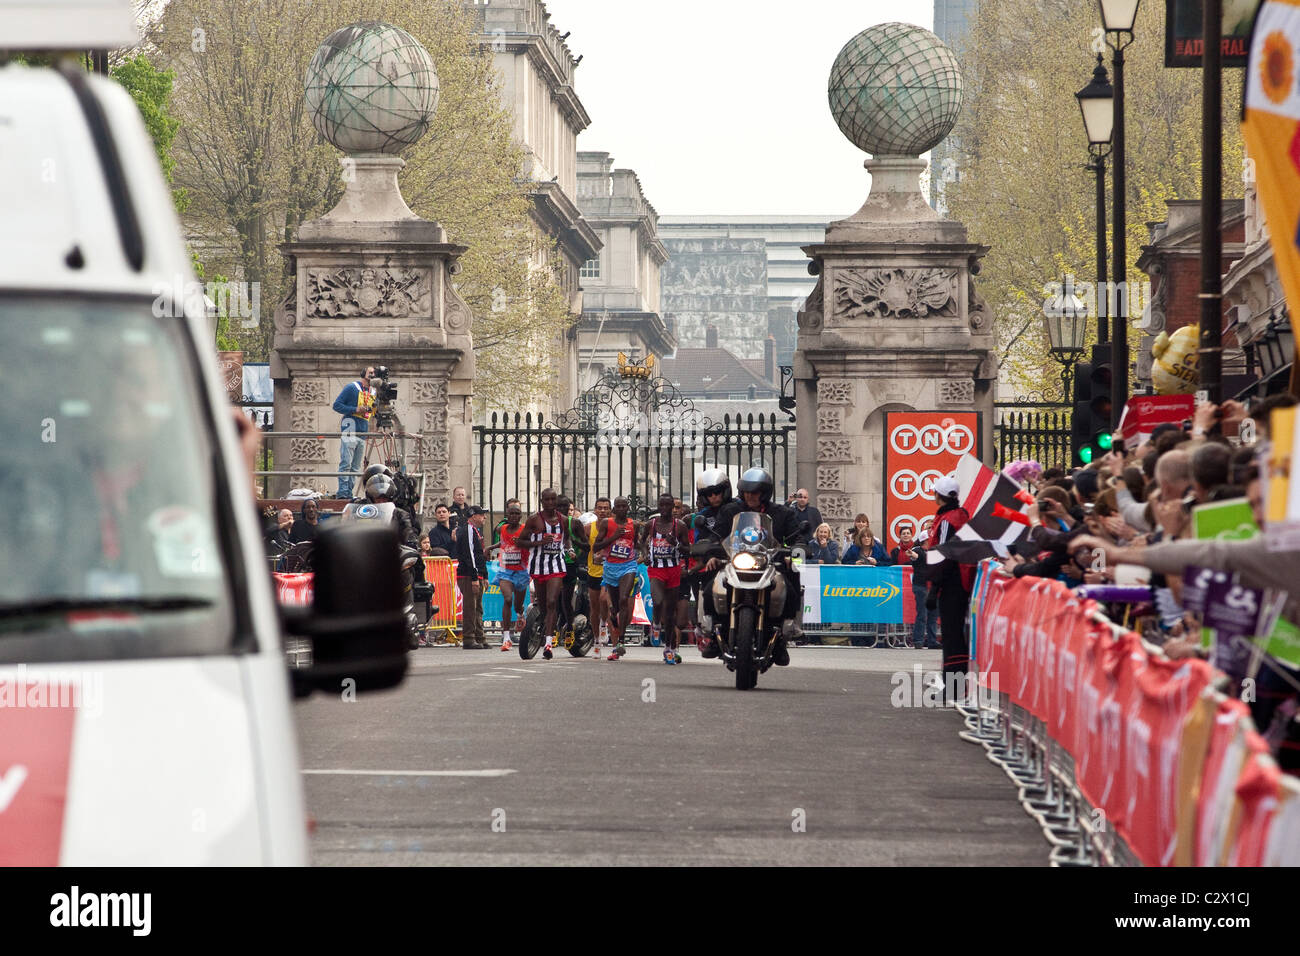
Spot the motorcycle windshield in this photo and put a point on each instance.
(750, 531)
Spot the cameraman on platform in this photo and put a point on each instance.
(357, 405)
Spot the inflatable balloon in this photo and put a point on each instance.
(1173, 369)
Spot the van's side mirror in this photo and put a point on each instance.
(357, 620)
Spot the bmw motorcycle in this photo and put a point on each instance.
(744, 612)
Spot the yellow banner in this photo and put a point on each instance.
(1271, 129)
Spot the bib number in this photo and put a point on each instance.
(620, 550)
(511, 557)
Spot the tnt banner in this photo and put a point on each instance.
(1271, 128)
(857, 594)
(920, 448)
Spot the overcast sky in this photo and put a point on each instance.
(720, 105)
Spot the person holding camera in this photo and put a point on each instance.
(357, 406)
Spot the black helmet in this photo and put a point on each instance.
(757, 479)
(381, 486)
(372, 471)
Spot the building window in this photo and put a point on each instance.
(590, 269)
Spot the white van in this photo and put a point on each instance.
(144, 693)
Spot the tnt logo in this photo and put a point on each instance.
(931, 440)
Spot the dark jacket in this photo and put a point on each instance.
(304, 530)
(472, 560)
(817, 554)
(811, 515)
(459, 516)
(440, 537)
(853, 555)
(918, 566)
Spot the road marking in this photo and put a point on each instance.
(413, 773)
(516, 670)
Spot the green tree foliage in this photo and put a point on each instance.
(256, 169)
(1024, 189)
(151, 89)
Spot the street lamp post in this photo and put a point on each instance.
(1211, 296)
(1067, 330)
(1097, 106)
(1117, 18)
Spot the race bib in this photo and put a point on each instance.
(663, 550)
(620, 551)
(511, 557)
(553, 544)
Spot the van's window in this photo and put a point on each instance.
(107, 522)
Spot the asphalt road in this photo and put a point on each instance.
(481, 758)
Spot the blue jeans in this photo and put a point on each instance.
(923, 631)
(351, 449)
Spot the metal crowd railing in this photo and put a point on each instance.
(1043, 772)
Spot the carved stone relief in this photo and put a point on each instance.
(834, 391)
(435, 449)
(302, 420)
(439, 475)
(836, 507)
(957, 391)
(391, 292)
(896, 293)
(834, 449)
(455, 309)
(307, 449)
(830, 421)
(309, 391)
(428, 393)
(285, 316)
(981, 316)
(435, 420)
(830, 478)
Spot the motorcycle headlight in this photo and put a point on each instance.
(744, 561)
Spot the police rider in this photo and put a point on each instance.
(789, 530)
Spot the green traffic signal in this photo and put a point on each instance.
(1104, 441)
(1085, 454)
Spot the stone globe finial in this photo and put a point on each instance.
(372, 91)
(895, 91)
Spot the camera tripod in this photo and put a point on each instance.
(383, 443)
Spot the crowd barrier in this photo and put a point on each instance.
(1122, 755)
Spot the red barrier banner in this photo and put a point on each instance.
(295, 590)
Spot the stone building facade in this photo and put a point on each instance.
(621, 284)
(537, 72)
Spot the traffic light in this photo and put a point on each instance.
(1090, 428)
(1081, 419)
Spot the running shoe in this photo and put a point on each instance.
(595, 651)
(677, 658)
(614, 655)
(669, 656)
(654, 637)
(506, 645)
(546, 652)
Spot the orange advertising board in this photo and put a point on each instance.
(920, 448)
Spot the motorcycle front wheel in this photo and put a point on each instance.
(531, 640)
(744, 643)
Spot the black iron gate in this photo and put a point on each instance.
(635, 437)
(1033, 430)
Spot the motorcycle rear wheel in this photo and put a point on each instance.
(583, 636)
(745, 644)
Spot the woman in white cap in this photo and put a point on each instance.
(950, 581)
